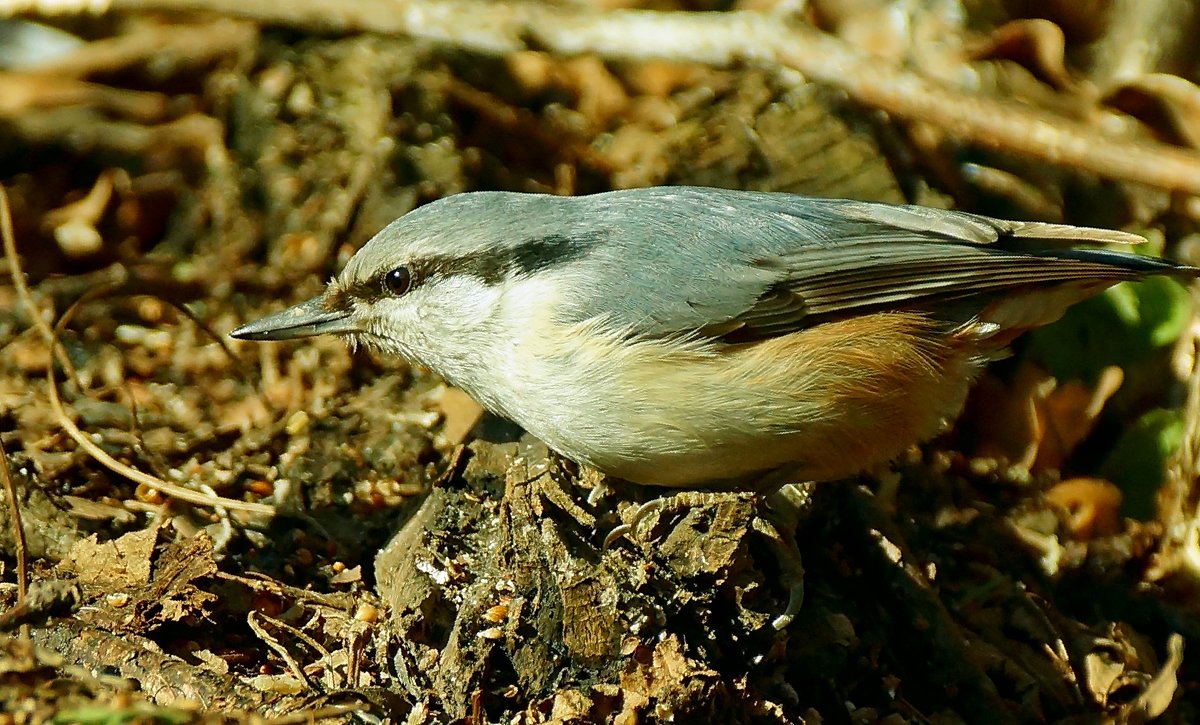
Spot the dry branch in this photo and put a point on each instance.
(722, 39)
(18, 528)
(190, 44)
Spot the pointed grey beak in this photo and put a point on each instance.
(303, 320)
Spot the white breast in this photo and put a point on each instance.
(832, 400)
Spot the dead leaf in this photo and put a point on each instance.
(1092, 506)
(1035, 422)
(1068, 415)
(90, 510)
(1168, 103)
(570, 706)
(664, 673)
(1103, 667)
(1160, 693)
(173, 594)
(1035, 43)
(1006, 416)
(347, 576)
(123, 563)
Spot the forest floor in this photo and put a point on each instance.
(214, 530)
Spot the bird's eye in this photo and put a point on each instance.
(398, 281)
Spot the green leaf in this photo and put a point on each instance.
(1122, 326)
(138, 712)
(1137, 464)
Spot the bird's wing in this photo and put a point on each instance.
(872, 275)
(771, 264)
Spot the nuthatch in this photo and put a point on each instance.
(693, 336)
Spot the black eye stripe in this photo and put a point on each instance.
(492, 267)
(523, 260)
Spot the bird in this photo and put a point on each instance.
(695, 337)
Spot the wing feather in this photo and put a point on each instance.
(736, 265)
(858, 276)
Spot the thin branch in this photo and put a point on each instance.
(23, 293)
(6, 230)
(722, 39)
(993, 122)
(118, 289)
(193, 43)
(22, 92)
(252, 619)
(18, 529)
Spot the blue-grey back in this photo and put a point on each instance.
(685, 260)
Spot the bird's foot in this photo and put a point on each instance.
(777, 522)
(663, 505)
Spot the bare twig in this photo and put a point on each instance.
(252, 619)
(117, 289)
(114, 289)
(6, 231)
(80, 438)
(335, 603)
(356, 641)
(298, 634)
(723, 39)
(993, 122)
(18, 280)
(18, 529)
(191, 44)
(20, 92)
(87, 129)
